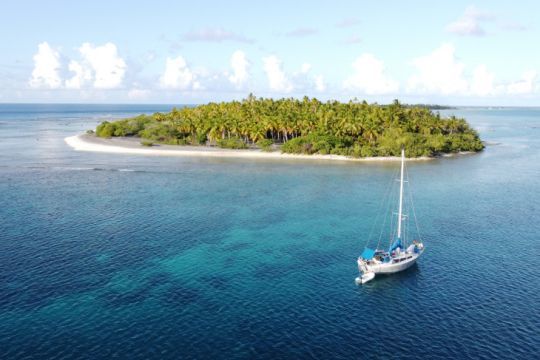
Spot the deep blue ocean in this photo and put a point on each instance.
(120, 256)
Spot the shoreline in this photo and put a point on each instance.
(132, 146)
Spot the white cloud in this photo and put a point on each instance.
(277, 79)
(319, 83)
(304, 81)
(472, 22)
(107, 67)
(482, 83)
(82, 75)
(46, 68)
(369, 77)
(469, 22)
(138, 94)
(525, 85)
(178, 75)
(100, 64)
(240, 66)
(197, 86)
(439, 72)
(304, 69)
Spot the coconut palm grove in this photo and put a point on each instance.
(306, 126)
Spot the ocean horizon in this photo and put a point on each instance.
(151, 105)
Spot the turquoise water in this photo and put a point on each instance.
(141, 257)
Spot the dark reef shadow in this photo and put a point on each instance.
(215, 281)
(178, 295)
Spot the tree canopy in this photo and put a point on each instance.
(306, 126)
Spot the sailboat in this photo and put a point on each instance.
(399, 255)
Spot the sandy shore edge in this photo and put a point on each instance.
(132, 146)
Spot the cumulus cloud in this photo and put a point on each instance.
(304, 81)
(470, 22)
(482, 83)
(178, 75)
(215, 35)
(370, 77)
(525, 85)
(320, 85)
(46, 68)
(240, 66)
(82, 75)
(304, 69)
(108, 67)
(138, 94)
(438, 72)
(277, 79)
(101, 65)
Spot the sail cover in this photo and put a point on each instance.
(367, 254)
(396, 244)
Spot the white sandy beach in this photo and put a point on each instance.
(132, 146)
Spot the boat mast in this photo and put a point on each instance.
(401, 193)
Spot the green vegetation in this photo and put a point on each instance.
(232, 143)
(318, 144)
(147, 143)
(305, 126)
(265, 144)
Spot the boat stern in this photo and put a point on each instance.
(365, 273)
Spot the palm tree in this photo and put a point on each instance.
(254, 119)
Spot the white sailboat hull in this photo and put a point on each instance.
(369, 269)
(390, 268)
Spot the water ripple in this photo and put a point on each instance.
(109, 256)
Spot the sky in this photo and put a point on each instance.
(452, 52)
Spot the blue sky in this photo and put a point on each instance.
(459, 53)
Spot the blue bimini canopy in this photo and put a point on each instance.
(367, 254)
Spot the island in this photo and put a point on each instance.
(343, 130)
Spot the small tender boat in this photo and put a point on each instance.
(398, 256)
